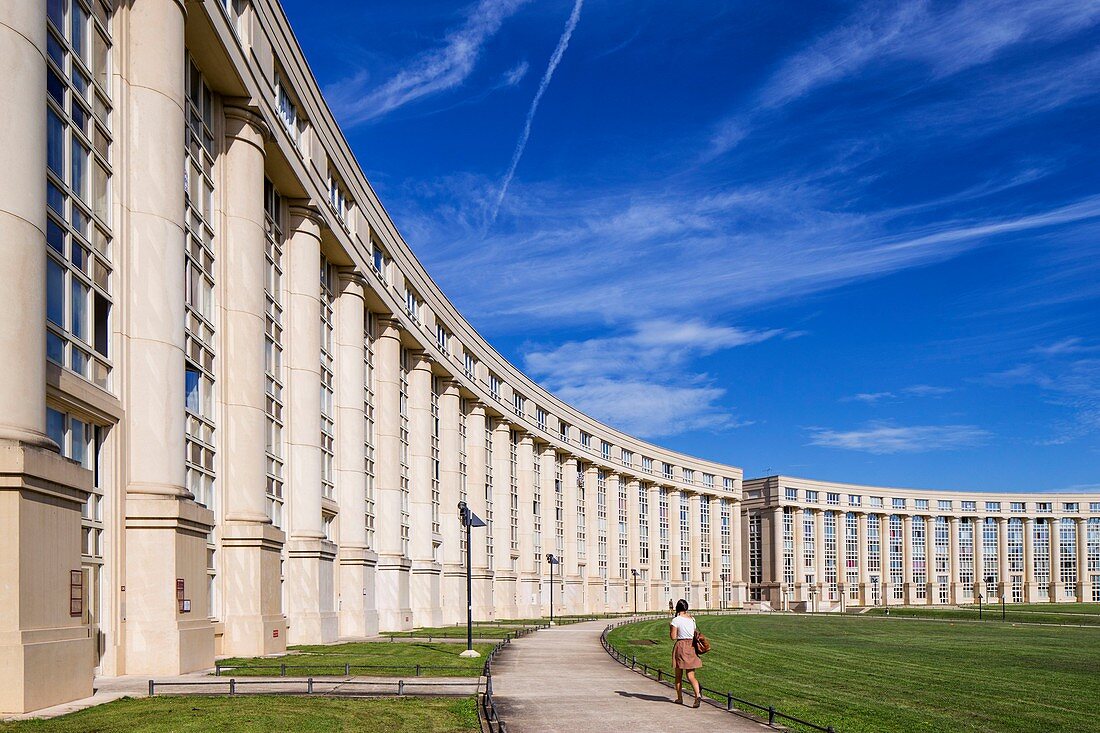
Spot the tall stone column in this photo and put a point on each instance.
(1056, 584)
(884, 553)
(574, 584)
(633, 545)
(1005, 581)
(527, 592)
(675, 547)
(450, 482)
(1084, 579)
(617, 596)
(695, 542)
(658, 600)
(45, 653)
(910, 593)
(310, 584)
(594, 592)
(482, 575)
(392, 571)
(979, 565)
(251, 546)
(800, 591)
(1030, 594)
(426, 607)
(864, 572)
(505, 577)
(774, 576)
(355, 560)
(737, 553)
(547, 459)
(819, 559)
(166, 531)
(953, 560)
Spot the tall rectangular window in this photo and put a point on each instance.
(437, 386)
(273, 349)
(582, 531)
(1067, 555)
(788, 545)
(756, 557)
(851, 555)
(685, 539)
(489, 478)
(1015, 545)
(1041, 552)
(897, 557)
(536, 510)
(292, 119)
(919, 554)
(328, 376)
(727, 517)
(663, 535)
(368, 430)
(643, 523)
(463, 466)
(829, 543)
(403, 443)
(809, 546)
(990, 560)
(624, 547)
(966, 556)
(704, 531)
(513, 491)
(601, 521)
(79, 268)
(559, 504)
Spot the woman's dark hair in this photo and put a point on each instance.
(681, 606)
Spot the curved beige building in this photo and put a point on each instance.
(236, 413)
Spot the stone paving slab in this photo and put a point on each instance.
(561, 680)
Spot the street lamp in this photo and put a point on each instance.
(553, 561)
(634, 572)
(469, 521)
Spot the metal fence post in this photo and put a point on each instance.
(232, 686)
(151, 688)
(217, 670)
(401, 687)
(347, 669)
(309, 685)
(729, 701)
(771, 715)
(282, 670)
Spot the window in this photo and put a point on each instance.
(990, 561)
(876, 502)
(469, 364)
(586, 440)
(1044, 506)
(855, 500)
(993, 506)
(666, 469)
(443, 339)
(513, 490)
(489, 490)
(1070, 506)
(919, 554)
(293, 121)
(413, 304)
(380, 261)
(540, 418)
(788, 545)
(78, 174)
(328, 377)
(563, 431)
(1067, 556)
(896, 558)
(519, 404)
(756, 557)
(689, 476)
(944, 505)
(921, 504)
(851, 555)
(368, 434)
(830, 548)
(966, 556)
(790, 494)
(1041, 553)
(811, 496)
(970, 506)
(643, 523)
(708, 480)
(704, 531)
(1018, 506)
(647, 464)
(601, 522)
(433, 450)
(727, 484)
(605, 450)
(1094, 506)
(627, 458)
(338, 198)
(494, 386)
(663, 534)
(832, 499)
(897, 503)
(582, 532)
(273, 351)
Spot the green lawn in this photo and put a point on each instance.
(384, 659)
(885, 676)
(262, 713)
(1086, 614)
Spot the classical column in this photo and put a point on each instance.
(1084, 581)
(800, 591)
(775, 554)
(571, 569)
(1056, 585)
(979, 565)
(956, 594)
(675, 549)
(528, 580)
(1005, 582)
(423, 519)
(547, 459)
(251, 546)
(166, 532)
(46, 652)
(311, 615)
(884, 554)
(594, 602)
(819, 557)
(907, 557)
(695, 541)
(482, 573)
(658, 598)
(717, 569)
(616, 594)
(392, 572)
(358, 615)
(1030, 594)
(737, 553)
(505, 577)
(450, 480)
(633, 545)
(864, 574)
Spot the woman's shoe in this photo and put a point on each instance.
(698, 702)
(679, 701)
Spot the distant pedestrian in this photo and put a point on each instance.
(684, 659)
(670, 611)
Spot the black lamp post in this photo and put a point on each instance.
(634, 572)
(469, 521)
(553, 561)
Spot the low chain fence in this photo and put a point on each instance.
(309, 686)
(717, 698)
(338, 670)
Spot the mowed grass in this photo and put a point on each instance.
(379, 659)
(1082, 614)
(262, 713)
(869, 675)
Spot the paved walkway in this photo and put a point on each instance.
(561, 681)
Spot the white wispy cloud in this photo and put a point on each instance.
(882, 438)
(871, 397)
(1072, 384)
(356, 100)
(637, 381)
(1071, 345)
(916, 390)
(521, 145)
(515, 75)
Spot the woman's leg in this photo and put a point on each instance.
(694, 682)
(679, 685)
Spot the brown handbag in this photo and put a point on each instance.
(701, 643)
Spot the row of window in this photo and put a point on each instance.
(811, 496)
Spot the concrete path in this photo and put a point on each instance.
(560, 680)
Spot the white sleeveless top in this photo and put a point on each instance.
(685, 627)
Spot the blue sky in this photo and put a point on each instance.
(846, 241)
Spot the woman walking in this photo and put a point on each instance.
(684, 658)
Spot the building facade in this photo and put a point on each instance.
(820, 546)
(236, 412)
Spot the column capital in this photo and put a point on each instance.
(388, 326)
(302, 212)
(240, 113)
(349, 276)
(421, 360)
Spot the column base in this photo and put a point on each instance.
(46, 654)
(453, 598)
(504, 595)
(528, 596)
(358, 616)
(483, 581)
(573, 597)
(310, 612)
(392, 588)
(424, 596)
(254, 622)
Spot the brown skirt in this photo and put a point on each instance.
(684, 656)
